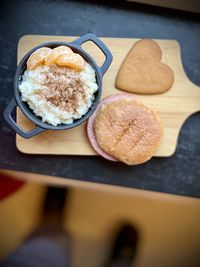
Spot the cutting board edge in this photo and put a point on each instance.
(24, 151)
(104, 37)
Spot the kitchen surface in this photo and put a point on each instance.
(177, 174)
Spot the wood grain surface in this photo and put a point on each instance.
(174, 106)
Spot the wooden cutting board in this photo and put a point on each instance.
(174, 106)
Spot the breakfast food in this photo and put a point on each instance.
(58, 85)
(38, 57)
(74, 61)
(123, 129)
(142, 72)
(56, 53)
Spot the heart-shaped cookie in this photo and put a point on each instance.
(142, 71)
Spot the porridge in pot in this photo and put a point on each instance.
(58, 85)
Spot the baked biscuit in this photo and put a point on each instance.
(142, 72)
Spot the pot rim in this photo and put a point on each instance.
(24, 106)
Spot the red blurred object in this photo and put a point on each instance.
(8, 185)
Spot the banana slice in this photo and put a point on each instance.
(37, 58)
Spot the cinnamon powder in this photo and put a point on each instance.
(65, 88)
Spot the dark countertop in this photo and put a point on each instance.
(179, 174)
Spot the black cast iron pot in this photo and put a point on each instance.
(40, 125)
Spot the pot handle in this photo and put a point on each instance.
(100, 44)
(8, 117)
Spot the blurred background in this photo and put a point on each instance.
(167, 225)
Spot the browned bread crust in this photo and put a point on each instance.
(128, 130)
